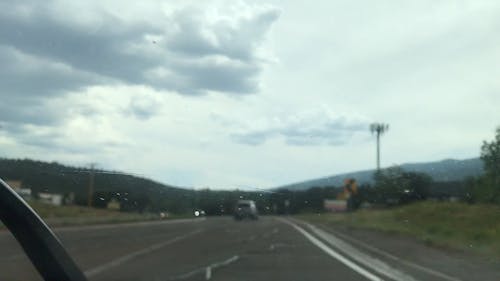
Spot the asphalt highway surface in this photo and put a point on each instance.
(272, 248)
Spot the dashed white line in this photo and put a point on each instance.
(123, 259)
(269, 234)
(206, 269)
(273, 246)
(208, 273)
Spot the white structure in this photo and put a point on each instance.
(49, 198)
(16, 185)
(25, 193)
(335, 205)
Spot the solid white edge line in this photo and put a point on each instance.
(333, 253)
(400, 260)
(123, 259)
(360, 257)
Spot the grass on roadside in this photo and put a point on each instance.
(454, 225)
(78, 215)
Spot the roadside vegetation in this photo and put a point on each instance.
(395, 187)
(486, 188)
(77, 215)
(445, 224)
(398, 203)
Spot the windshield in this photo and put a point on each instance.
(253, 140)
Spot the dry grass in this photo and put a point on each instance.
(78, 215)
(455, 225)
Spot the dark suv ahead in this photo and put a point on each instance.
(245, 209)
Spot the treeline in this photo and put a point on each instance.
(393, 186)
(135, 194)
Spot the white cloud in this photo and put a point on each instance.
(137, 87)
(319, 126)
(186, 43)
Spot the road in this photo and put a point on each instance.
(272, 248)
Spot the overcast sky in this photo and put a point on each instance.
(228, 94)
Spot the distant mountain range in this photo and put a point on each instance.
(441, 171)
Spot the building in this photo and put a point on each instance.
(51, 198)
(17, 186)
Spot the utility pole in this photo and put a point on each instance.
(378, 151)
(378, 129)
(90, 197)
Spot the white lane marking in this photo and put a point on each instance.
(267, 235)
(5, 231)
(393, 257)
(333, 253)
(222, 263)
(208, 273)
(123, 259)
(129, 224)
(362, 258)
(206, 269)
(278, 245)
(13, 257)
(103, 226)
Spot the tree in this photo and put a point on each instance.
(394, 186)
(490, 155)
(482, 190)
(419, 184)
(378, 129)
(486, 188)
(390, 185)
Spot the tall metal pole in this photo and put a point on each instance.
(378, 150)
(378, 129)
(90, 197)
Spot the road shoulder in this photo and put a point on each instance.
(421, 260)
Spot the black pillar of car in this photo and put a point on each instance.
(40, 244)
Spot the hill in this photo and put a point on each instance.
(449, 170)
(134, 193)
